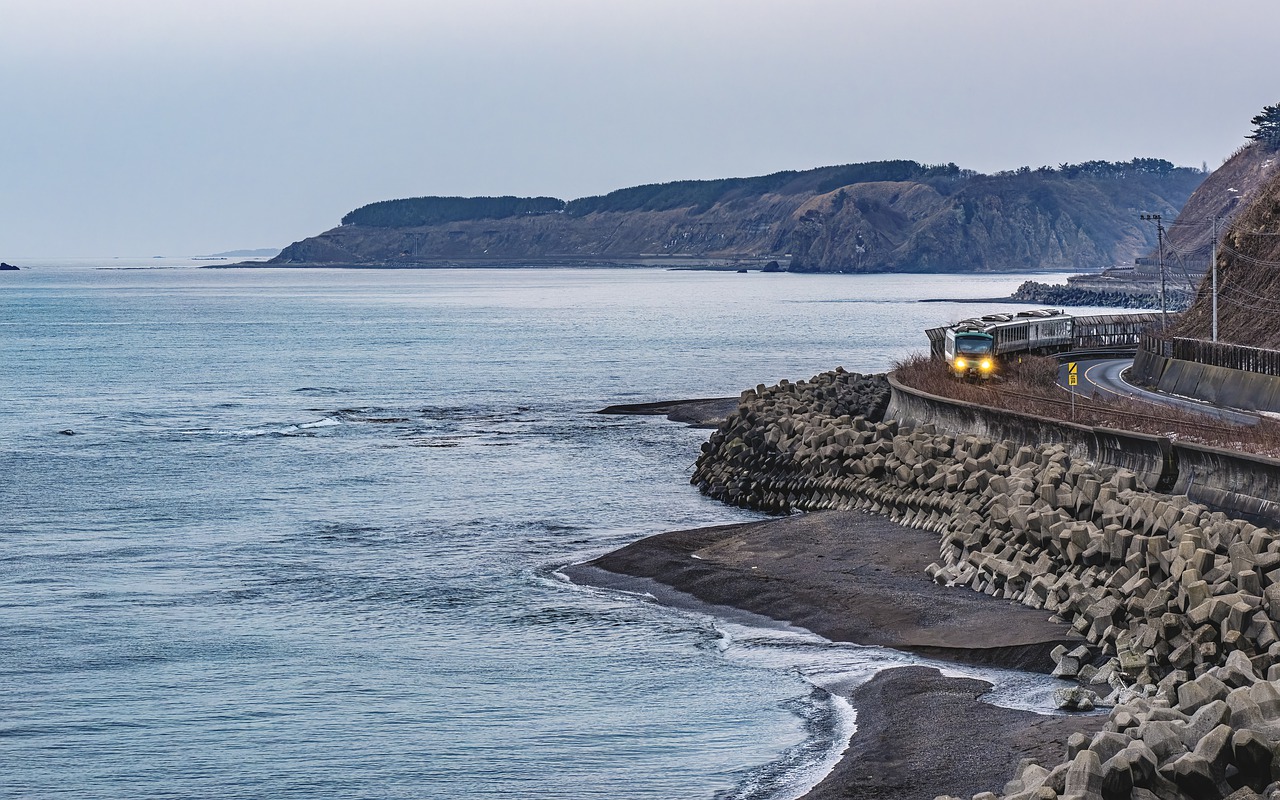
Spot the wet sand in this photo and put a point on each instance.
(859, 578)
(921, 734)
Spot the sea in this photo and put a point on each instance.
(294, 533)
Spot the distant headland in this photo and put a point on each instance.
(884, 216)
(261, 252)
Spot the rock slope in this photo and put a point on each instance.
(1247, 177)
(1228, 191)
(1248, 269)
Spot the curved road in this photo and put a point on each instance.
(1103, 377)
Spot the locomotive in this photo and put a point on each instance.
(973, 346)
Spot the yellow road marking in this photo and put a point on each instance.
(1097, 385)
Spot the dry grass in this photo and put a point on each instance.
(1031, 387)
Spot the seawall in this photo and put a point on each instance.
(1178, 601)
(1241, 484)
(1149, 457)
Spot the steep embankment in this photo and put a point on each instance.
(1248, 268)
(1225, 194)
(876, 217)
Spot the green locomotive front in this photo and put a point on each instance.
(971, 353)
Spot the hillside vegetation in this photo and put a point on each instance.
(420, 211)
(872, 217)
(701, 196)
(1248, 274)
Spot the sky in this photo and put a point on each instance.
(186, 127)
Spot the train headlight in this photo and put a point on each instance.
(960, 363)
(985, 365)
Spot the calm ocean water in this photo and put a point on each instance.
(303, 540)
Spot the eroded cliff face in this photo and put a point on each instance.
(1226, 193)
(1248, 261)
(984, 229)
(1042, 219)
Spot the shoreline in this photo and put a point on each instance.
(798, 570)
(854, 577)
(921, 734)
(1081, 530)
(730, 264)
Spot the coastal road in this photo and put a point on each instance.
(1103, 377)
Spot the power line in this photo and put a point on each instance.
(1265, 298)
(1227, 298)
(1264, 304)
(1191, 285)
(1199, 249)
(1247, 306)
(1261, 262)
(1243, 291)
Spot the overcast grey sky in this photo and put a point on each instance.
(181, 127)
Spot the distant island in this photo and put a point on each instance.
(261, 252)
(884, 216)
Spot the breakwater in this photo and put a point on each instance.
(1133, 296)
(1176, 603)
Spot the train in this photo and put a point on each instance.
(973, 348)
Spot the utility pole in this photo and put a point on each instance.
(1164, 314)
(1213, 267)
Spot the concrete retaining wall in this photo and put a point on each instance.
(1148, 368)
(1246, 485)
(1220, 385)
(1241, 484)
(1149, 457)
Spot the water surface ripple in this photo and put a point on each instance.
(301, 539)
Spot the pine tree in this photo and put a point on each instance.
(1267, 126)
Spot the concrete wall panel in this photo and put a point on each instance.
(1219, 385)
(1246, 485)
(1148, 368)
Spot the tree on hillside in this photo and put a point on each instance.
(1267, 126)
